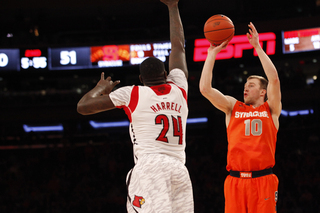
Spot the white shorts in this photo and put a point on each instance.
(159, 184)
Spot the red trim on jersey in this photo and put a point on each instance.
(162, 89)
(184, 93)
(133, 102)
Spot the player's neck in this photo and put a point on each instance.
(154, 82)
(257, 104)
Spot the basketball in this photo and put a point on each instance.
(218, 28)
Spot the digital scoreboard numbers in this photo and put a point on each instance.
(33, 59)
(301, 40)
(69, 58)
(128, 54)
(9, 59)
(76, 58)
(139, 52)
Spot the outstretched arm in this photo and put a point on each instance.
(177, 58)
(97, 99)
(273, 90)
(220, 101)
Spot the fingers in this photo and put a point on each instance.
(116, 82)
(224, 44)
(252, 29)
(248, 36)
(252, 26)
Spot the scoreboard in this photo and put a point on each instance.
(68, 58)
(9, 59)
(122, 55)
(301, 40)
(32, 59)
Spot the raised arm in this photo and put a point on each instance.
(273, 89)
(219, 100)
(97, 99)
(177, 58)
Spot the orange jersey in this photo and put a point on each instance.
(252, 138)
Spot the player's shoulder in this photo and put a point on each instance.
(177, 72)
(232, 101)
(178, 77)
(122, 90)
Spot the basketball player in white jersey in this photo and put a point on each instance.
(159, 181)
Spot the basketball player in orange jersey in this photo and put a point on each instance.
(157, 111)
(252, 129)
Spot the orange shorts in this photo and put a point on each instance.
(251, 195)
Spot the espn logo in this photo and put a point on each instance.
(235, 47)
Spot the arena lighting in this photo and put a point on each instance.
(28, 128)
(295, 113)
(97, 125)
(197, 120)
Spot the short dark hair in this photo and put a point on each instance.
(151, 68)
(263, 83)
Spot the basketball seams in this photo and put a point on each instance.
(221, 39)
(207, 22)
(219, 30)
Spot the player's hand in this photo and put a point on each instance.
(253, 36)
(107, 84)
(216, 49)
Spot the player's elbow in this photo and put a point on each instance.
(81, 109)
(274, 81)
(204, 90)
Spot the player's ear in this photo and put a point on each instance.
(165, 74)
(140, 79)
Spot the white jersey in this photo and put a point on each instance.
(157, 115)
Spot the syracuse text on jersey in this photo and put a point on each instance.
(166, 106)
(251, 114)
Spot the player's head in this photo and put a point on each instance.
(255, 88)
(152, 71)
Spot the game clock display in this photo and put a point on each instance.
(32, 59)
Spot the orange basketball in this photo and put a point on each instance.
(218, 28)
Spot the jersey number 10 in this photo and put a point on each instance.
(253, 127)
(177, 128)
